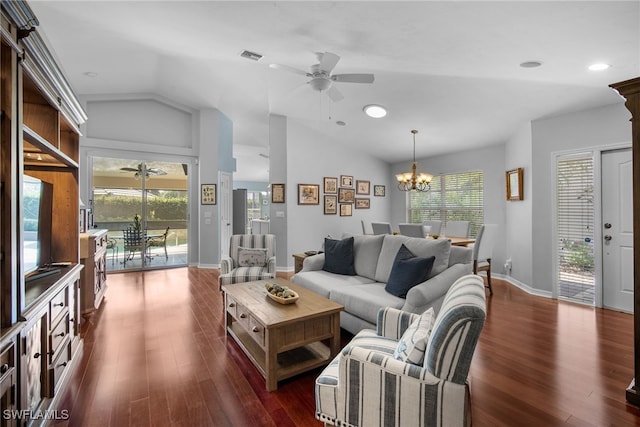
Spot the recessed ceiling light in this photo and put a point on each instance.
(599, 66)
(91, 74)
(531, 64)
(341, 123)
(374, 110)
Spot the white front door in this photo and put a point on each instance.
(617, 230)
(226, 212)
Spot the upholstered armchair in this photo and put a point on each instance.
(251, 257)
(367, 385)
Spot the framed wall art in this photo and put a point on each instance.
(277, 193)
(346, 181)
(346, 195)
(330, 205)
(330, 185)
(379, 190)
(346, 209)
(515, 184)
(308, 194)
(362, 203)
(208, 194)
(363, 187)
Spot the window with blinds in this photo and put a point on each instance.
(452, 197)
(575, 218)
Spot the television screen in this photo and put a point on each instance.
(36, 219)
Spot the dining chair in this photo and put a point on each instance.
(159, 242)
(381, 228)
(457, 228)
(412, 230)
(483, 251)
(434, 226)
(364, 227)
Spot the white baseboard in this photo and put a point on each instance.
(209, 266)
(518, 284)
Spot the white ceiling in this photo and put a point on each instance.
(447, 68)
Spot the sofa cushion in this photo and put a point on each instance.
(322, 282)
(252, 257)
(364, 301)
(408, 270)
(366, 250)
(413, 343)
(338, 256)
(440, 248)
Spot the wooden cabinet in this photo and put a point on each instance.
(40, 269)
(93, 255)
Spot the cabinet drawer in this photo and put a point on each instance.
(256, 330)
(59, 365)
(57, 305)
(243, 316)
(101, 243)
(57, 336)
(232, 305)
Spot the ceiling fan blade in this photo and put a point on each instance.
(334, 94)
(290, 69)
(353, 78)
(129, 169)
(328, 61)
(155, 171)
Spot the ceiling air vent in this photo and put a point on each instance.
(251, 55)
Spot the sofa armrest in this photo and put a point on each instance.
(271, 265)
(373, 386)
(313, 263)
(431, 293)
(392, 322)
(226, 265)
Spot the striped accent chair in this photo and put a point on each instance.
(230, 269)
(364, 385)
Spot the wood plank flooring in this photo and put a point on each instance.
(156, 355)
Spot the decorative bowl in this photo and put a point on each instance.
(281, 300)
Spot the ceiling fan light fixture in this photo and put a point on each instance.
(600, 66)
(375, 111)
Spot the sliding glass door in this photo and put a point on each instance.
(143, 204)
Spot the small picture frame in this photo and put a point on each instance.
(346, 209)
(330, 205)
(379, 190)
(363, 187)
(515, 184)
(277, 193)
(208, 194)
(330, 185)
(346, 195)
(346, 181)
(308, 194)
(362, 203)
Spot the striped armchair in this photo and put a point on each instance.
(232, 272)
(364, 385)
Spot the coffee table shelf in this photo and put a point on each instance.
(282, 340)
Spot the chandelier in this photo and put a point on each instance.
(413, 180)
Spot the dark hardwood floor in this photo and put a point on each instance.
(156, 355)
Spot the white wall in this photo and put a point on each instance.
(597, 127)
(310, 158)
(518, 214)
(490, 160)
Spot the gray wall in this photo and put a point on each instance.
(597, 127)
(490, 161)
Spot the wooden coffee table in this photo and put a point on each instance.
(282, 340)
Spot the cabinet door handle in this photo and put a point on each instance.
(35, 356)
(61, 334)
(61, 304)
(4, 368)
(62, 364)
(243, 316)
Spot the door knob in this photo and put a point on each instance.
(607, 225)
(607, 238)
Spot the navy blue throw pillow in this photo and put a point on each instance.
(408, 270)
(338, 256)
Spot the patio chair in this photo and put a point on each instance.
(159, 242)
(132, 238)
(112, 245)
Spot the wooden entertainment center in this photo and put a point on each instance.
(40, 342)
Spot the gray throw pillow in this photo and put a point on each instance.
(252, 257)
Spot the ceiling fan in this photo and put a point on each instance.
(138, 171)
(321, 77)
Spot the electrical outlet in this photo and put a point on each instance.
(507, 266)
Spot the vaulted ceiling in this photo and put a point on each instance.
(448, 68)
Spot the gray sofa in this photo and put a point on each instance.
(364, 294)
